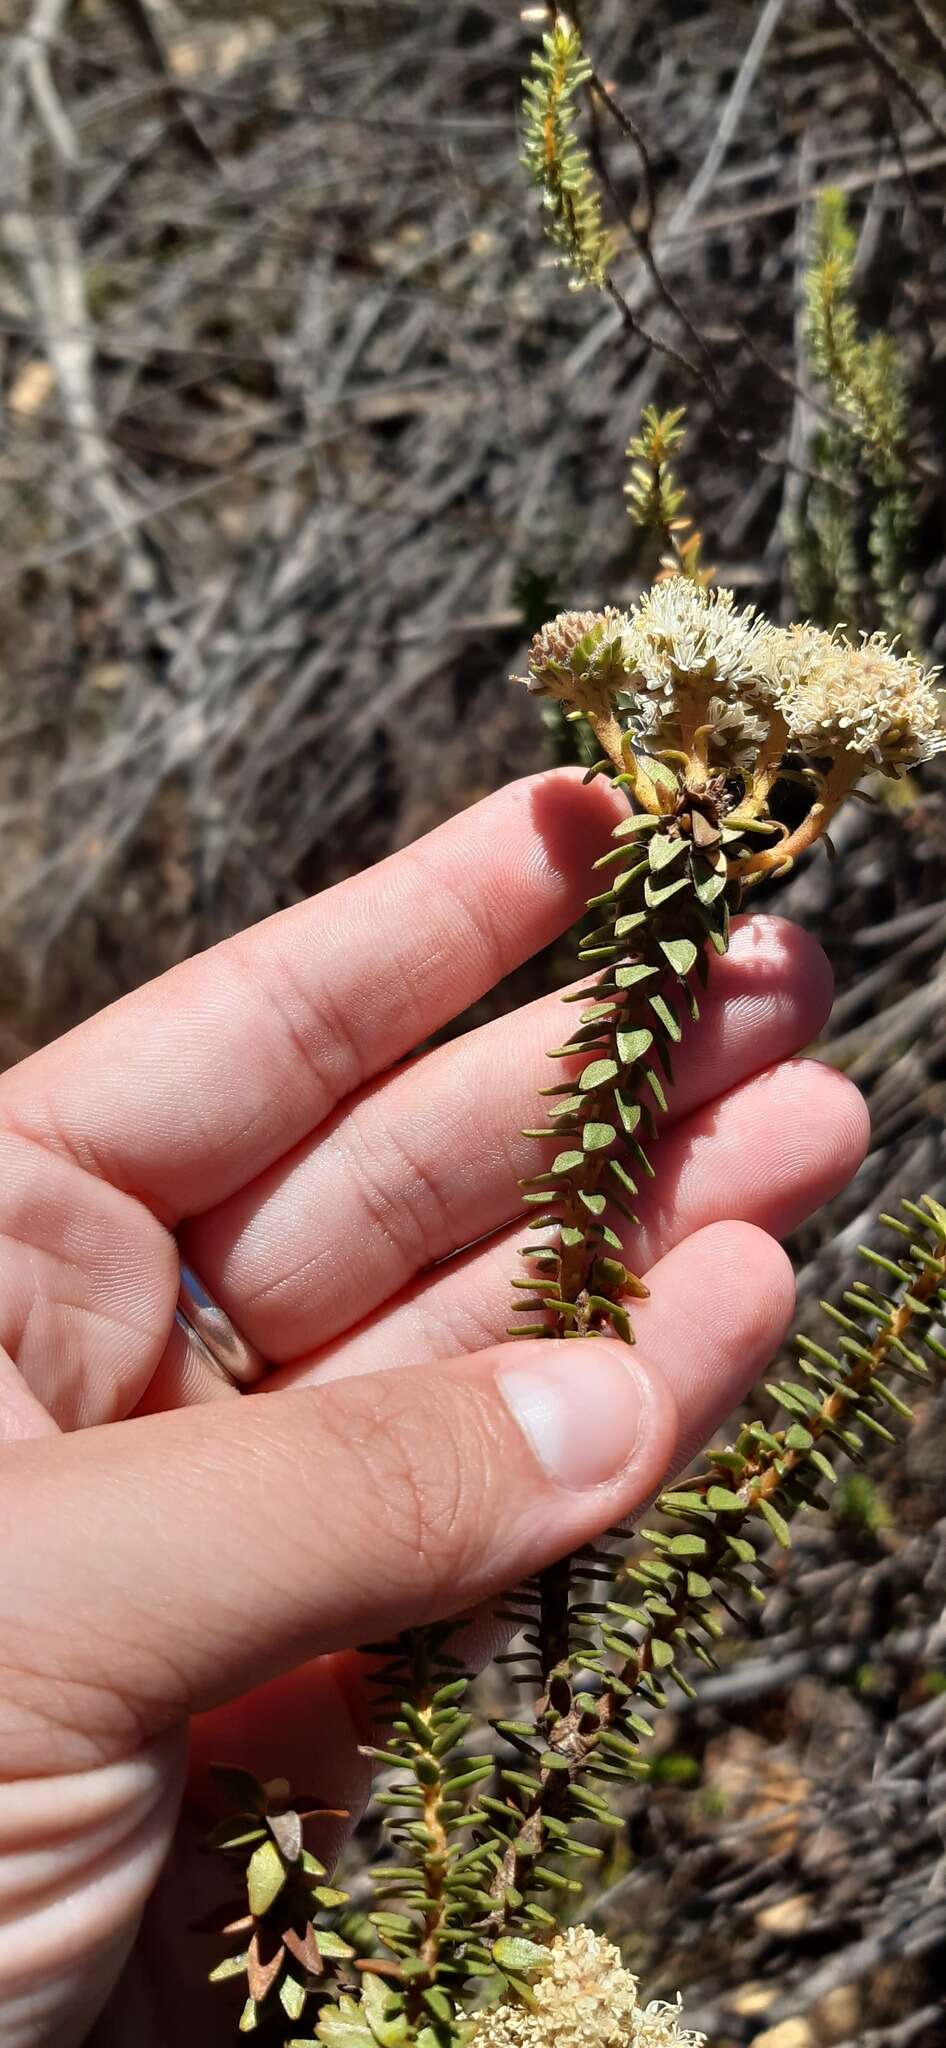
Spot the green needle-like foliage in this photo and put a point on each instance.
(656, 501)
(556, 160)
(659, 1607)
(429, 1896)
(864, 443)
(864, 375)
(667, 893)
(491, 1850)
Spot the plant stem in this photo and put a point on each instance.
(435, 1864)
(846, 771)
(574, 1728)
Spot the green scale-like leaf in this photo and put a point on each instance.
(693, 1571)
(626, 1037)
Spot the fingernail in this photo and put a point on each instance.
(581, 1408)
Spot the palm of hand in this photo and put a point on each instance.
(207, 1564)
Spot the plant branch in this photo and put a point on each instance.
(890, 68)
(769, 1474)
(847, 770)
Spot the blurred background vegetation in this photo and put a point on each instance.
(303, 434)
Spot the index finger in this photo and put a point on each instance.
(186, 1089)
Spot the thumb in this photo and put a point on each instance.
(173, 1561)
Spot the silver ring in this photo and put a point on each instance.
(210, 1330)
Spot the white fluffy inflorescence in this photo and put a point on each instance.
(683, 639)
(866, 699)
(584, 1999)
(687, 668)
(680, 632)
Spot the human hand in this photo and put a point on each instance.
(190, 1558)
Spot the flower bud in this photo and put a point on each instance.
(579, 658)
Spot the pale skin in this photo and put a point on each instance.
(188, 1568)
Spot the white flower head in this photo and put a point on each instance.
(681, 632)
(866, 698)
(585, 1998)
(693, 652)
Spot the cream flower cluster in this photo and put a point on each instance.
(865, 698)
(686, 646)
(584, 1999)
(686, 659)
(680, 632)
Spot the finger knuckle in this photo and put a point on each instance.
(426, 1475)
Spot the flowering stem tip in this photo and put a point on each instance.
(698, 708)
